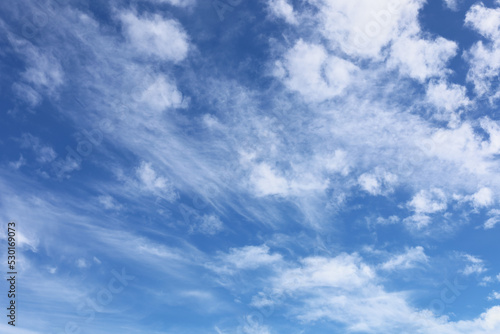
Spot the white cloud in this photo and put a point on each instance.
(282, 9)
(486, 280)
(482, 198)
(428, 201)
(369, 183)
(410, 259)
(151, 182)
(484, 59)
(309, 70)
(262, 300)
(448, 99)
(161, 94)
(29, 240)
(422, 59)
(484, 66)
(364, 27)
(387, 221)
(109, 203)
(474, 265)
(82, 263)
(463, 147)
(494, 296)
(210, 225)
(484, 20)
(62, 167)
(267, 181)
(342, 288)
(148, 177)
(19, 163)
(493, 220)
(44, 153)
(452, 4)
(43, 74)
(345, 290)
(424, 203)
(155, 35)
(418, 221)
(344, 271)
(337, 161)
(249, 257)
(27, 93)
(487, 322)
(379, 183)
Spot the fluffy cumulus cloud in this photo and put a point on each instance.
(428, 201)
(343, 272)
(449, 99)
(377, 183)
(483, 197)
(484, 57)
(267, 181)
(366, 28)
(452, 4)
(151, 182)
(363, 28)
(344, 289)
(464, 147)
(283, 9)
(310, 71)
(422, 59)
(494, 296)
(246, 258)
(423, 204)
(153, 35)
(161, 94)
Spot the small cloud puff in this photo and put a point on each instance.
(156, 36)
(208, 225)
(82, 263)
(151, 182)
(428, 201)
(282, 9)
(309, 70)
(109, 203)
(378, 183)
(474, 265)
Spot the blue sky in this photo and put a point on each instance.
(258, 167)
